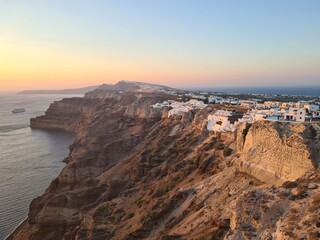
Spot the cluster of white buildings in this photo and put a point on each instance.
(223, 120)
(178, 108)
(273, 110)
(293, 111)
(220, 121)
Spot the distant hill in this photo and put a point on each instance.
(63, 91)
(131, 86)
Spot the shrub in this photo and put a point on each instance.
(139, 202)
(227, 151)
(129, 216)
(118, 217)
(161, 191)
(162, 203)
(149, 216)
(105, 209)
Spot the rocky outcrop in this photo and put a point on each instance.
(276, 152)
(63, 115)
(291, 212)
(134, 173)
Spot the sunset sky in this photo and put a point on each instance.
(203, 43)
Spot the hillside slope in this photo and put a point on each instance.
(135, 173)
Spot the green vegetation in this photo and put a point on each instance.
(105, 209)
(161, 191)
(129, 216)
(108, 212)
(139, 202)
(161, 203)
(118, 216)
(149, 216)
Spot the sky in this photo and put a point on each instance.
(57, 44)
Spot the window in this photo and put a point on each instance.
(300, 112)
(300, 117)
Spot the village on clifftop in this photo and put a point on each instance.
(223, 120)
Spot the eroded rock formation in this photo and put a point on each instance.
(276, 152)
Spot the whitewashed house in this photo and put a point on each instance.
(316, 114)
(219, 121)
(295, 114)
(178, 108)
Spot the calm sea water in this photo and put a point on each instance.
(29, 159)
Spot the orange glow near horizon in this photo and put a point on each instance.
(41, 67)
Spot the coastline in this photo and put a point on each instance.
(10, 235)
(30, 159)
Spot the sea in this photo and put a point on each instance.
(298, 91)
(29, 159)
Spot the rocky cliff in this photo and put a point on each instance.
(64, 115)
(134, 173)
(276, 152)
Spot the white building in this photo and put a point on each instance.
(178, 108)
(219, 121)
(215, 99)
(316, 114)
(301, 104)
(295, 114)
(311, 108)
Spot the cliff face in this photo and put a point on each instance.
(64, 115)
(276, 152)
(134, 173)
